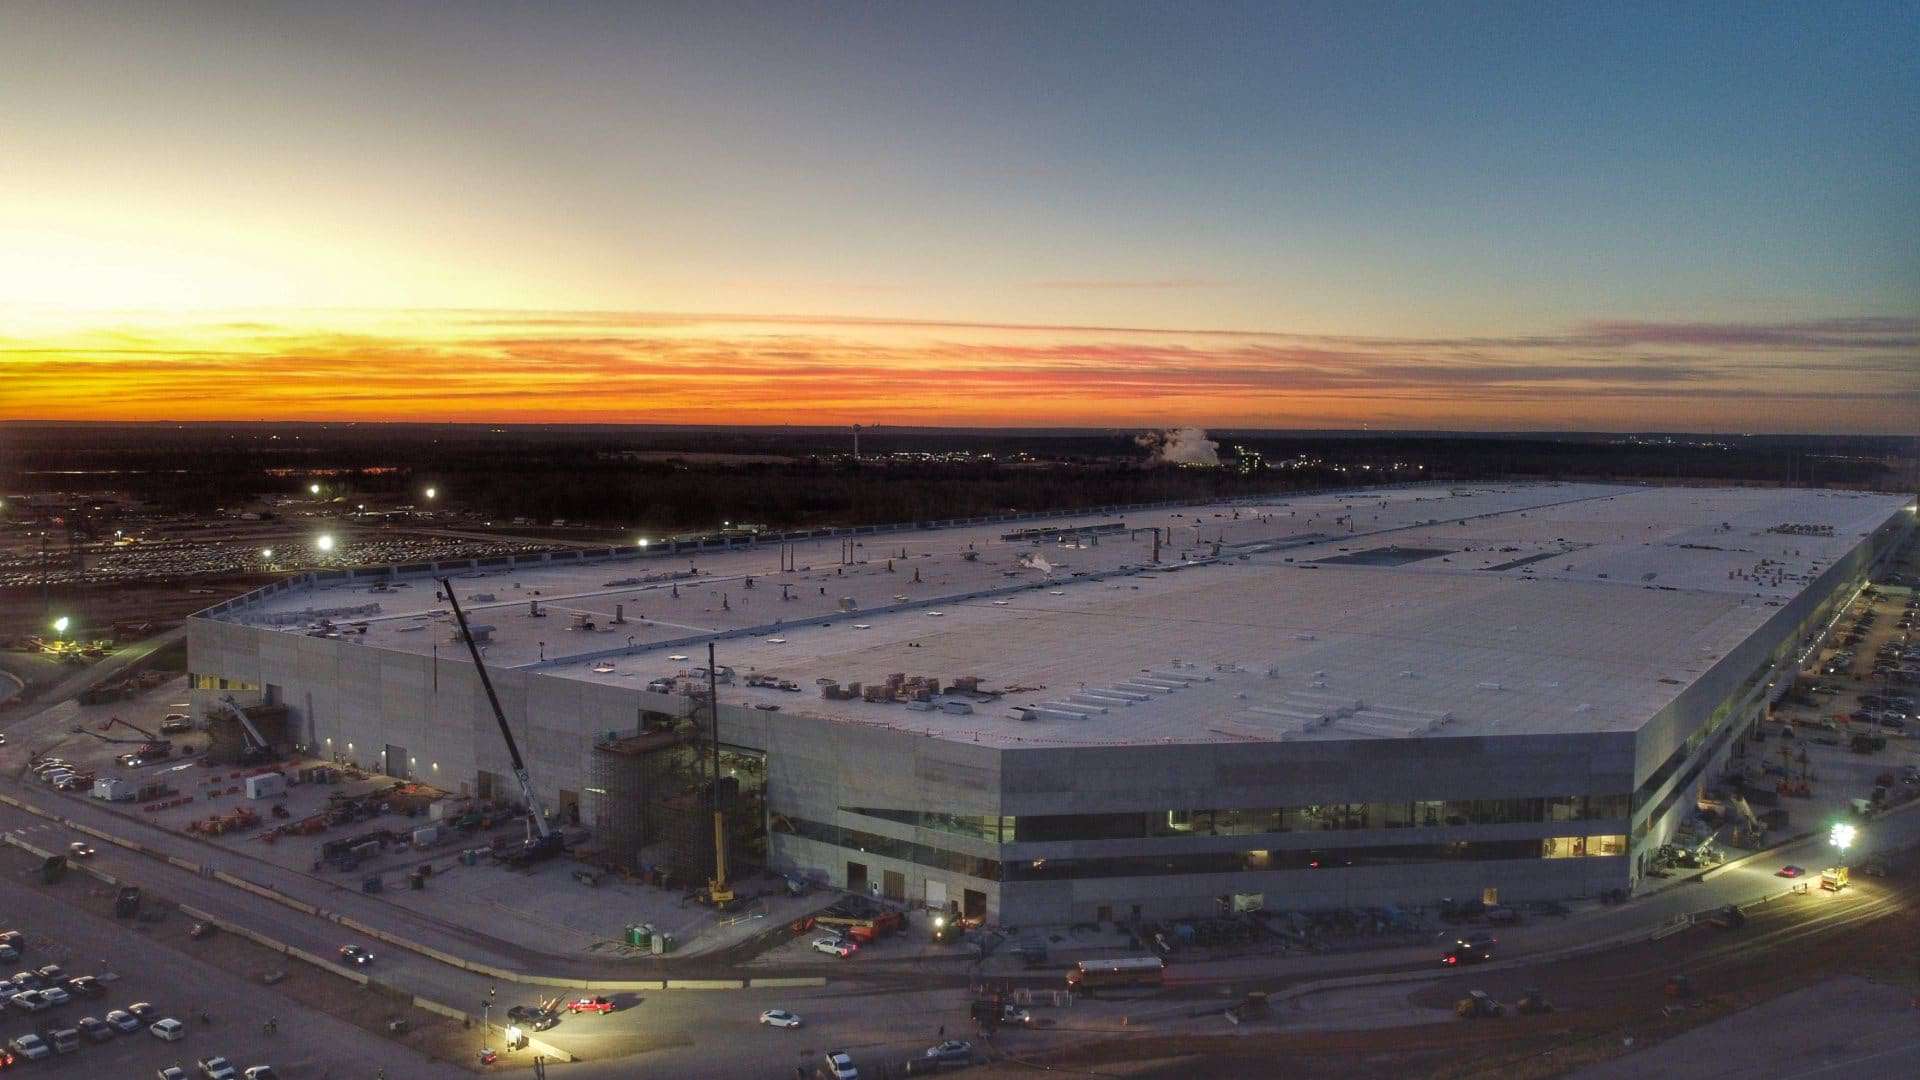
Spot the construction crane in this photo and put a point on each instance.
(718, 889)
(542, 842)
(257, 747)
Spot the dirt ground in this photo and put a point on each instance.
(1607, 1004)
(434, 1036)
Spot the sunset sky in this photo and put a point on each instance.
(1287, 215)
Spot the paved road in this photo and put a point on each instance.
(309, 1045)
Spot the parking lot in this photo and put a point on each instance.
(133, 967)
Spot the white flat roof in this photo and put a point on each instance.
(1416, 611)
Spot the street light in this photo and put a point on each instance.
(325, 542)
(60, 625)
(313, 489)
(643, 542)
(266, 553)
(431, 492)
(1842, 836)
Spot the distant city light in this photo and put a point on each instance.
(313, 489)
(266, 553)
(325, 543)
(431, 492)
(643, 541)
(60, 625)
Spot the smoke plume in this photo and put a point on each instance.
(1180, 446)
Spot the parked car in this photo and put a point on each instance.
(260, 1072)
(173, 1072)
(834, 947)
(30, 1046)
(168, 1029)
(592, 1005)
(144, 1011)
(1789, 871)
(122, 1021)
(28, 1001)
(85, 986)
(951, 1052)
(840, 1066)
(779, 1018)
(217, 1068)
(94, 1028)
(63, 1040)
(54, 995)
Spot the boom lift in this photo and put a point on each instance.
(542, 842)
(150, 745)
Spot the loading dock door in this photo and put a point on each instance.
(395, 764)
(893, 885)
(856, 877)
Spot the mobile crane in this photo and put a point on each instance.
(719, 890)
(542, 842)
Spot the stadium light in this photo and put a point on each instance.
(1842, 835)
(60, 625)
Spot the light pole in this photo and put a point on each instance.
(1842, 836)
(486, 1019)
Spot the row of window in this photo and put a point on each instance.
(217, 682)
(1148, 824)
(906, 851)
(1227, 862)
(1557, 847)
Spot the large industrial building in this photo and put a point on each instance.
(1320, 701)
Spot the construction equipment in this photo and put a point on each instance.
(718, 890)
(257, 747)
(1478, 1004)
(150, 745)
(542, 842)
(1834, 878)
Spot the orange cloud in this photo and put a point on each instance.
(1844, 375)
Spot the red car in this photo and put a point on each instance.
(592, 1005)
(1789, 871)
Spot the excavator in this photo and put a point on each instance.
(542, 841)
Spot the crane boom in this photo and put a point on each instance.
(535, 809)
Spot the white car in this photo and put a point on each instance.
(122, 1021)
(260, 1072)
(54, 995)
(834, 947)
(841, 1067)
(31, 1047)
(28, 1001)
(168, 1029)
(779, 1018)
(217, 1068)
